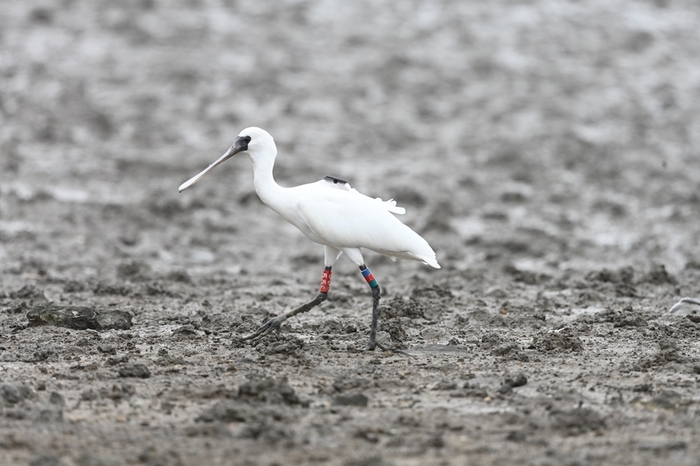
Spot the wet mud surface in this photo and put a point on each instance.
(548, 151)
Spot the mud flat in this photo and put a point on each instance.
(549, 152)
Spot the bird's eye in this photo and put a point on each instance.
(246, 139)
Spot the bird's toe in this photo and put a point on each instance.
(274, 325)
(269, 326)
(373, 344)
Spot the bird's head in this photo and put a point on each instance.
(256, 142)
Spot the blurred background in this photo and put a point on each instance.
(548, 135)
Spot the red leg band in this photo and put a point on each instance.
(326, 281)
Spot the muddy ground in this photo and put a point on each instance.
(549, 151)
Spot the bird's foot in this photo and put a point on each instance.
(274, 324)
(269, 326)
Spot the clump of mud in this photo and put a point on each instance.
(566, 339)
(78, 317)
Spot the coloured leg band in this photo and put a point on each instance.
(326, 280)
(369, 277)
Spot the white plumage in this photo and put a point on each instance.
(329, 212)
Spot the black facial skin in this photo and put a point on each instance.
(241, 143)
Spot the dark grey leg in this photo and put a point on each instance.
(376, 295)
(276, 323)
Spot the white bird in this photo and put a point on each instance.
(330, 213)
(685, 303)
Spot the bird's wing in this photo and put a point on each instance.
(330, 182)
(348, 219)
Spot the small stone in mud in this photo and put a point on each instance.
(107, 349)
(88, 395)
(135, 370)
(357, 399)
(516, 436)
(517, 381)
(57, 399)
(10, 393)
(505, 389)
(696, 368)
(186, 330)
(78, 317)
(434, 441)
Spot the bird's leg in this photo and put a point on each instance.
(275, 324)
(376, 295)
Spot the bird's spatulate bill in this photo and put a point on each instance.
(197, 177)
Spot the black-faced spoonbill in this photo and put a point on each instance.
(683, 303)
(330, 213)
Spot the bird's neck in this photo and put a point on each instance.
(265, 185)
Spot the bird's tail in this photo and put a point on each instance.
(391, 206)
(424, 253)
